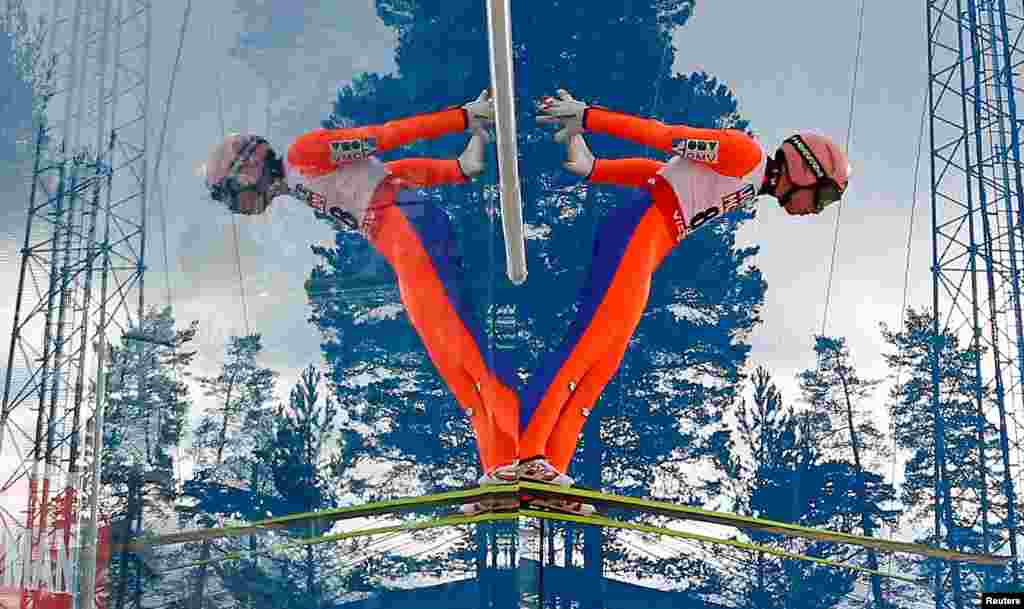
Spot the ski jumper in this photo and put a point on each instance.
(416, 238)
(713, 172)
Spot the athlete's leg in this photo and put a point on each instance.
(563, 438)
(416, 238)
(630, 245)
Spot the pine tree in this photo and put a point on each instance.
(147, 405)
(26, 79)
(974, 517)
(670, 393)
(777, 473)
(690, 349)
(229, 432)
(845, 430)
(25, 76)
(225, 442)
(304, 474)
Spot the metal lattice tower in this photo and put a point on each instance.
(977, 191)
(82, 269)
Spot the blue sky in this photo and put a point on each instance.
(788, 75)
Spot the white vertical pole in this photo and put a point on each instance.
(499, 28)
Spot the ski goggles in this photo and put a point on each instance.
(825, 191)
(243, 190)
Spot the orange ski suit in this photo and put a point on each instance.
(415, 236)
(630, 244)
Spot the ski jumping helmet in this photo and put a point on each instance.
(818, 169)
(240, 172)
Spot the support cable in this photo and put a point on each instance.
(234, 221)
(161, 203)
(846, 146)
(163, 141)
(839, 206)
(906, 286)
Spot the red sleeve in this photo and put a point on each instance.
(625, 172)
(310, 154)
(735, 153)
(428, 172)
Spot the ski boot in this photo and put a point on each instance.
(568, 506)
(501, 475)
(539, 470)
(504, 504)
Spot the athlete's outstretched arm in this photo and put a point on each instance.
(310, 154)
(730, 152)
(634, 172)
(428, 172)
(434, 172)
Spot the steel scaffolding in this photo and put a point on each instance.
(977, 191)
(81, 277)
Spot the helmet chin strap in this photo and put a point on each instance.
(772, 173)
(279, 187)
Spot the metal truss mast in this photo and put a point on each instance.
(977, 189)
(81, 276)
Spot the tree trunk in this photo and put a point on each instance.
(200, 590)
(513, 557)
(136, 559)
(958, 595)
(311, 589)
(593, 558)
(569, 538)
(223, 437)
(793, 589)
(542, 533)
(252, 538)
(551, 543)
(760, 575)
(127, 557)
(862, 503)
(481, 563)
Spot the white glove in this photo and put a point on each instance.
(580, 159)
(479, 112)
(472, 159)
(564, 110)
